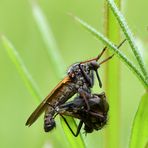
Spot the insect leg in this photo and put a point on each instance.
(85, 96)
(78, 129)
(95, 114)
(90, 82)
(99, 80)
(60, 113)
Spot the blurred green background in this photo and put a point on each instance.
(75, 44)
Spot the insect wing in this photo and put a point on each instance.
(44, 104)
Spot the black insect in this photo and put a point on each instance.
(94, 119)
(79, 79)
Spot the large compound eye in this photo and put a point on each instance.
(94, 65)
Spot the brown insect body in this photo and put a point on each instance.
(77, 84)
(79, 79)
(74, 83)
(94, 119)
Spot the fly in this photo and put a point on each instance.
(79, 79)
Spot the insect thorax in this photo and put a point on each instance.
(75, 72)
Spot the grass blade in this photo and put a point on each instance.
(32, 87)
(21, 68)
(139, 133)
(111, 46)
(129, 36)
(48, 38)
(112, 70)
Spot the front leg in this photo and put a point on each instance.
(89, 81)
(83, 94)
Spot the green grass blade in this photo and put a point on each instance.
(48, 38)
(112, 30)
(129, 36)
(32, 87)
(58, 62)
(111, 46)
(21, 68)
(139, 133)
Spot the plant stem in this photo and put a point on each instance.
(49, 40)
(112, 82)
(129, 36)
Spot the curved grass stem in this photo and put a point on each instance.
(21, 68)
(129, 37)
(32, 86)
(111, 46)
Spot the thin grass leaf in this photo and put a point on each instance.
(113, 90)
(58, 62)
(111, 46)
(21, 68)
(31, 85)
(48, 38)
(129, 36)
(139, 133)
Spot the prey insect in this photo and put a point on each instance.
(94, 119)
(79, 79)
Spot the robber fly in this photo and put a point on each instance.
(79, 79)
(94, 119)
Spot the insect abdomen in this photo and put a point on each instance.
(49, 122)
(61, 97)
